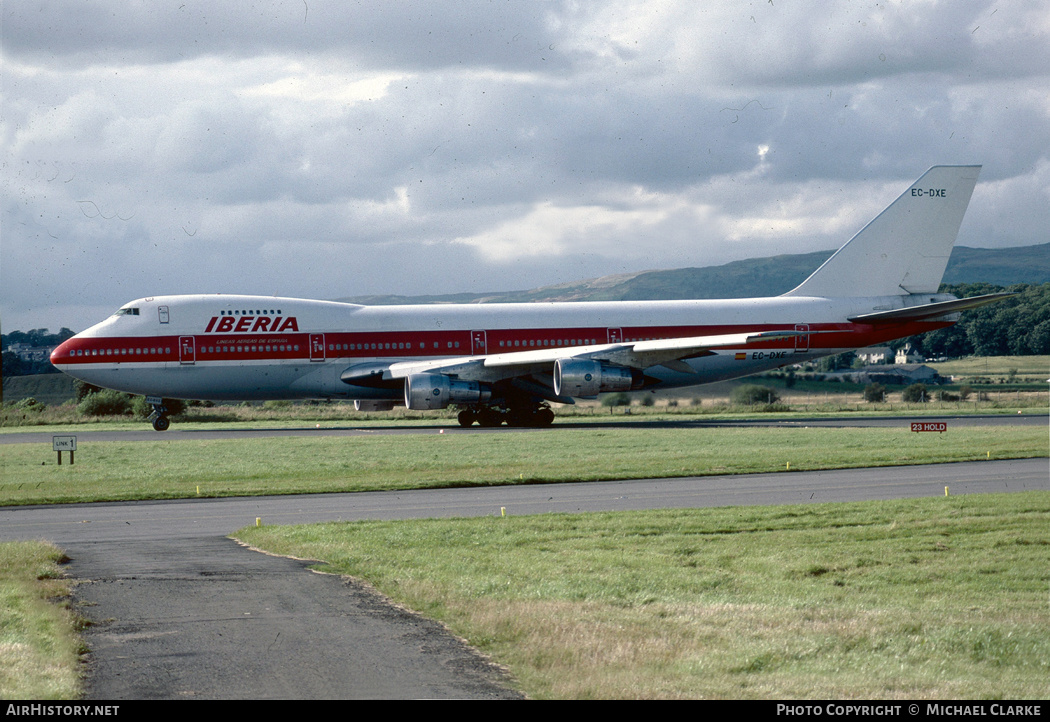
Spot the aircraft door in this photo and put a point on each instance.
(615, 335)
(187, 350)
(317, 347)
(478, 344)
(802, 342)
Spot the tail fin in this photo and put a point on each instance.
(906, 247)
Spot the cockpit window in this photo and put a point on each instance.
(127, 312)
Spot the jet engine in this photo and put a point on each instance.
(436, 391)
(580, 377)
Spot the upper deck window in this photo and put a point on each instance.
(127, 312)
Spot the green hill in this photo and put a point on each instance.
(999, 266)
(50, 389)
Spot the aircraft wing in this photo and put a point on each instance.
(633, 354)
(643, 354)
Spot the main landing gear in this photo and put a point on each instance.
(491, 416)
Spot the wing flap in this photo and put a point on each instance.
(661, 352)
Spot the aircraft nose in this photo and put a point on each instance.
(62, 352)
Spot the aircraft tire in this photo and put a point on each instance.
(466, 417)
(161, 423)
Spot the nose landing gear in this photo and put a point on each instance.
(158, 417)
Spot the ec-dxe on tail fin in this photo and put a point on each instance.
(905, 249)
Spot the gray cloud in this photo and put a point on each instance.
(420, 35)
(330, 149)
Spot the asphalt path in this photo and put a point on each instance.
(204, 618)
(178, 610)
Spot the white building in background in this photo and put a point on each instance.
(25, 352)
(906, 354)
(875, 354)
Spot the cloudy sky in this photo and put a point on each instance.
(326, 149)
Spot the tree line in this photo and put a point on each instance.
(13, 365)
(1017, 326)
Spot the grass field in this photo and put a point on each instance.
(935, 598)
(39, 648)
(997, 368)
(118, 470)
(943, 598)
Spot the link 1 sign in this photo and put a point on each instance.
(64, 443)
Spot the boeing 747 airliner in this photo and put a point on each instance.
(507, 362)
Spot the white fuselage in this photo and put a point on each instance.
(255, 347)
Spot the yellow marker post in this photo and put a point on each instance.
(258, 521)
(946, 491)
(503, 511)
(788, 467)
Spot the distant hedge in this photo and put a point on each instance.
(750, 394)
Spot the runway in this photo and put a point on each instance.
(180, 611)
(71, 524)
(329, 428)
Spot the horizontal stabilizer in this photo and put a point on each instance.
(930, 310)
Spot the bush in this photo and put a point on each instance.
(82, 389)
(106, 403)
(751, 394)
(140, 408)
(620, 399)
(916, 393)
(30, 404)
(875, 393)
